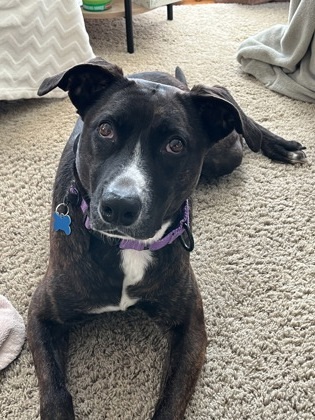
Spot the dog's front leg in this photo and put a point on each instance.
(48, 342)
(187, 347)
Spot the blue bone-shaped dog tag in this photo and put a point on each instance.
(62, 222)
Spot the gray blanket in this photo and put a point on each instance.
(283, 56)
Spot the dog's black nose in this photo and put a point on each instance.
(119, 210)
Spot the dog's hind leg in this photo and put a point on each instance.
(223, 157)
(259, 138)
(279, 149)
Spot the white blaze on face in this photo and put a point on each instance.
(132, 179)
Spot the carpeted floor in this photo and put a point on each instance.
(254, 234)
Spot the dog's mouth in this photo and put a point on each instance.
(115, 233)
(145, 228)
(134, 236)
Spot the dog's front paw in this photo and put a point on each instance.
(57, 407)
(284, 151)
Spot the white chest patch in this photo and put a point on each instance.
(134, 264)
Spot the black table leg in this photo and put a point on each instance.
(129, 30)
(170, 12)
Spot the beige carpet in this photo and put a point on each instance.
(254, 235)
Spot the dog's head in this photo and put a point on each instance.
(142, 147)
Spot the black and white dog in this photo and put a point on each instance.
(121, 216)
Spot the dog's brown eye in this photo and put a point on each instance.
(106, 130)
(175, 146)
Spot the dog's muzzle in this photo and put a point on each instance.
(118, 210)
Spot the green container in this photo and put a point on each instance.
(97, 5)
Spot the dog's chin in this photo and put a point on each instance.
(145, 237)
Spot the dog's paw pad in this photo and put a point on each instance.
(62, 222)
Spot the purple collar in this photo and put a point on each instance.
(183, 227)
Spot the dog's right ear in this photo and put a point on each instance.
(83, 82)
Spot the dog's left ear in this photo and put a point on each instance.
(83, 82)
(219, 116)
